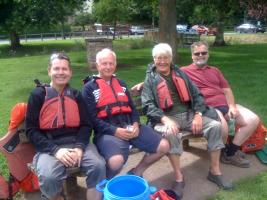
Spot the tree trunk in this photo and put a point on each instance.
(114, 30)
(167, 25)
(219, 38)
(62, 30)
(14, 40)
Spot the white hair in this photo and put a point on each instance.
(103, 53)
(162, 49)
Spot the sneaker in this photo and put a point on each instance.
(218, 180)
(178, 188)
(235, 160)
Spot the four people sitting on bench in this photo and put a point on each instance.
(59, 120)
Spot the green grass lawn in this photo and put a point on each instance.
(243, 65)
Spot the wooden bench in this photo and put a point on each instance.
(186, 39)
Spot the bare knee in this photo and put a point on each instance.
(116, 162)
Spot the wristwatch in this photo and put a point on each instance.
(199, 113)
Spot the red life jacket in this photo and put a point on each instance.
(112, 99)
(164, 95)
(59, 110)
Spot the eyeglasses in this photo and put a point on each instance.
(161, 58)
(203, 53)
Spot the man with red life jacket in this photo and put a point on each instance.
(59, 128)
(170, 98)
(116, 120)
(218, 94)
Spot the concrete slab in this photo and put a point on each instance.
(195, 166)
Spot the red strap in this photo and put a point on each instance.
(161, 195)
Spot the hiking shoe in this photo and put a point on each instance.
(178, 188)
(241, 154)
(218, 180)
(235, 160)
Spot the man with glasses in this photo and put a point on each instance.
(59, 128)
(172, 104)
(218, 94)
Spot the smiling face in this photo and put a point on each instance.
(163, 63)
(60, 73)
(200, 55)
(106, 65)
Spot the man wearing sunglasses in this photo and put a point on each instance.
(59, 128)
(218, 94)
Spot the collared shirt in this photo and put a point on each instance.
(210, 82)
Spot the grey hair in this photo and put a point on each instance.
(197, 44)
(162, 48)
(104, 52)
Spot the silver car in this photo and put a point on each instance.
(136, 30)
(246, 28)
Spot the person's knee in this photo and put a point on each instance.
(99, 166)
(216, 128)
(163, 146)
(255, 120)
(116, 162)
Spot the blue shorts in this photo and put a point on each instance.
(224, 109)
(147, 141)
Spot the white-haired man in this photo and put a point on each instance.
(116, 120)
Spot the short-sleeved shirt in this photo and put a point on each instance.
(210, 82)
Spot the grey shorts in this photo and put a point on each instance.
(51, 172)
(211, 131)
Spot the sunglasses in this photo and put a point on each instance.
(59, 56)
(200, 53)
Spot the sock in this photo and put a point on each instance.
(232, 149)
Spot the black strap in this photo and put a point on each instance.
(109, 106)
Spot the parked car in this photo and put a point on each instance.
(136, 30)
(98, 28)
(205, 30)
(260, 29)
(111, 31)
(201, 29)
(181, 28)
(249, 28)
(246, 28)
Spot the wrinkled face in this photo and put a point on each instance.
(106, 66)
(200, 55)
(59, 72)
(163, 63)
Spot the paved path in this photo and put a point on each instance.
(195, 164)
